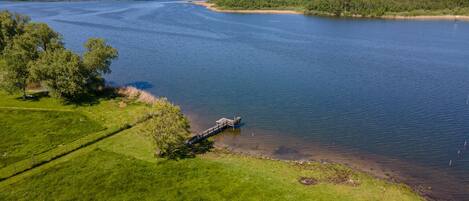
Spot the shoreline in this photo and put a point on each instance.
(392, 170)
(427, 17)
(213, 7)
(429, 183)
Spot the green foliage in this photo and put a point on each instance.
(17, 57)
(169, 130)
(21, 44)
(97, 60)
(98, 56)
(69, 76)
(34, 53)
(62, 72)
(45, 37)
(259, 4)
(11, 24)
(337, 7)
(381, 7)
(355, 7)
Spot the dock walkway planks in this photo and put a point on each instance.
(221, 125)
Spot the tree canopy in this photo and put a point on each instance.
(99, 55)
(35, 53)
(17, 56)
(169, 130)
(62, 72)
(11, 24)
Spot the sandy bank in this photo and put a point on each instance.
(213, 7)
(429, 17)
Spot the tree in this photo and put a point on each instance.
(11, 25)
(45, 37)
(62, 72)
(21, 43)
(22, 51)
(34, 52)
(18, 57)
(169, 130)
(98, 56)
(69, 76)
(97, 59)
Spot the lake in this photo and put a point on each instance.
(385, 96)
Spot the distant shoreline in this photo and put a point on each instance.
(214, 8)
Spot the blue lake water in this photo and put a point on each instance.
(394, 91)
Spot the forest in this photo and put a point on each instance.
(355, 7)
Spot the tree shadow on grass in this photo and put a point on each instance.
(87, 99)
(189, 151)
(36, 96)
(94, 98)
(202, 147)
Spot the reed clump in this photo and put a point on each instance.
(138, 95)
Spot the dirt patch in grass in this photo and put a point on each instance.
(343, 176)
(307, 181)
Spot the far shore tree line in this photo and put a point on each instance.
(383, 7)
(369, 8)
(33, 54)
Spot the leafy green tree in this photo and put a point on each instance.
(34, 52)
(45, 37)
(11, 25)
(21, 43)
(98, 56)
(18, 58)
(169, 130)
(97, 59)
(62, 72)
(71, 77)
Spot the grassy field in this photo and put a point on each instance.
(37, 131)
(26, 132)
(122, 167)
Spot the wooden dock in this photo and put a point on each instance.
(221, 125)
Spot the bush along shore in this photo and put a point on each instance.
(395, 9)
(66, 136)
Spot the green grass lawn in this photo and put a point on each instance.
(36, 131)
(122, 167)
(25, 133)
(100, 173)
(107, 111)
